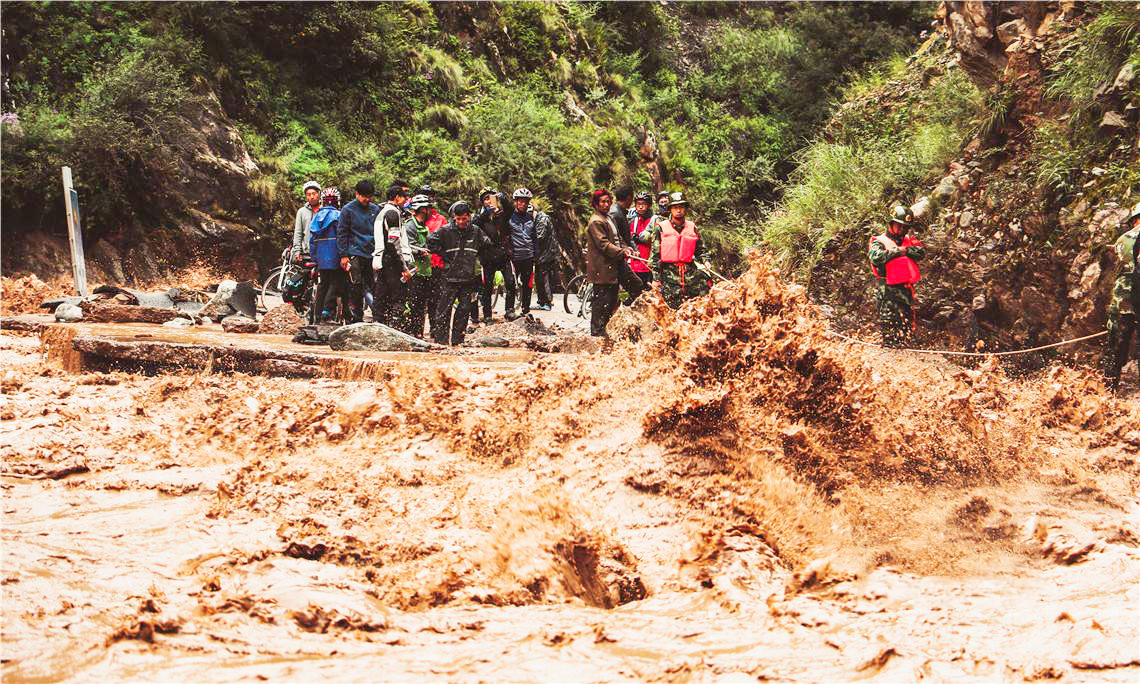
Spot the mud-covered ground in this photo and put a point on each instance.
(734, 497)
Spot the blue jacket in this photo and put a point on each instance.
(324, 231)
(523, 236)
(354, 237)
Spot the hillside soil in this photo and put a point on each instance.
(735, 496)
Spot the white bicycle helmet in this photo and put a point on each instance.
(311, 184)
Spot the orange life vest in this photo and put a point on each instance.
(678, 248)
(901, 270)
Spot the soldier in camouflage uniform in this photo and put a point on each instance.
(1125, 304)
(676, 268)
(894, 256)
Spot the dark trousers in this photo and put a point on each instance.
(330, 288)
(645, 276)
(390, 297)
(629, 281)
(524, 269)
(490, 268)
(361, 278)
(603, 304)
(453, 309)
(1118, 347)
(420, 299)
(544, 282)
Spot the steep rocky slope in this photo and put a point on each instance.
(1025, 214)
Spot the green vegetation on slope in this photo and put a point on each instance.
(554, 95)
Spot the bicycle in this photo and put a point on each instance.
(275, 282)
(583, 289)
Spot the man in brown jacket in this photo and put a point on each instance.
(606, 264)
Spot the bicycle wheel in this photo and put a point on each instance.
(572, 288)
(272, 285)
(584, 297)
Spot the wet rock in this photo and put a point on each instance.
(489, 341)
(232, 297)
(67, 312)
(179, 323)
(564, 344)
(239, 324)
(374, 337)
(314, 334)
(966, 219)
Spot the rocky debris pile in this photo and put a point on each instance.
(528, 332)
(23, 295)
(281, 320)
(375, 337)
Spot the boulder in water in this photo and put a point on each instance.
(374, 337)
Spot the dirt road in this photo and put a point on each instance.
(737, 497)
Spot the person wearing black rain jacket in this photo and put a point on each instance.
(458, 244)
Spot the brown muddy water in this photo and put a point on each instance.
(735, 498)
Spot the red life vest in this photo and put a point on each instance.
(636, 226)
(434, 222)
(901, 270)
(678, 248)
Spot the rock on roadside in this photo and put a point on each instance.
(68, 313)
(374, 337)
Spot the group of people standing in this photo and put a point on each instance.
(408, 262)
(630, 243)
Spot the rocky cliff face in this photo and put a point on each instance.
(1012, 260)
(211, 216)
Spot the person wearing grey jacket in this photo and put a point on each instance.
(524, 238)
(301, 236)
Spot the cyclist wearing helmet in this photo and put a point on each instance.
(894, 258)
(331, 285)
(640, 235)
(494, 221)
(662, 205)
(420, 284)
(1124, 307)
(312, 192)
(524, 235)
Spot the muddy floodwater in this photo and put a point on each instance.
(731, 497)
